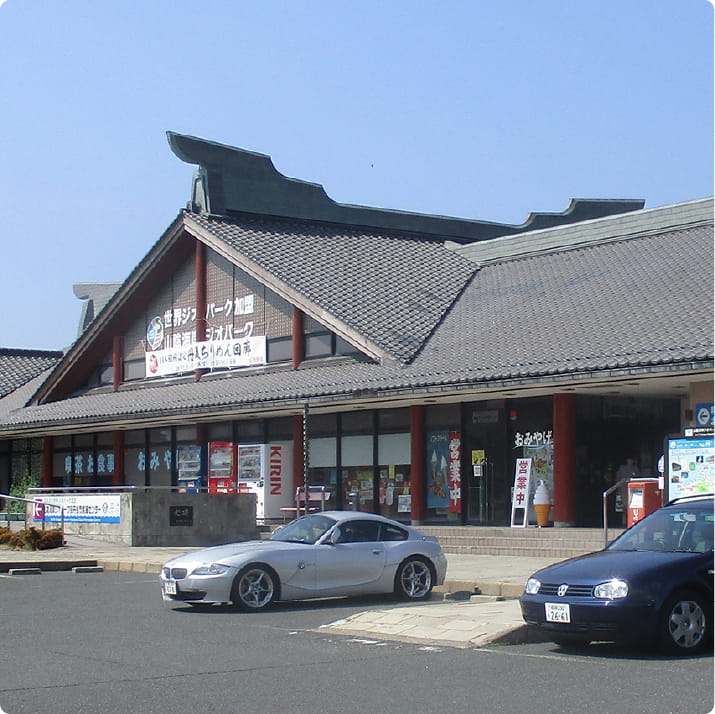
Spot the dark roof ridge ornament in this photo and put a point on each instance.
(232, 180)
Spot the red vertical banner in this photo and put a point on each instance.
(455, 472)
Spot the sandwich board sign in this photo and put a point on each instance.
(520, 493)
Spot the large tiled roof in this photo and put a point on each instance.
(20, 366)
(636, 304)
(390, 289)
(641, 301)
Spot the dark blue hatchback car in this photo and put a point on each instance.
(652, 585)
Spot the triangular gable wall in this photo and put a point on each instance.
(165, 318)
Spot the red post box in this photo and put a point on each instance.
(644, 497)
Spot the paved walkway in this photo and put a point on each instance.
(476, 606)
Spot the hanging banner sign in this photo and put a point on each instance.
(216, 354)
(80, 508)
(521, 491)
(455, 472)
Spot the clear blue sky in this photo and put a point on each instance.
(472, 108)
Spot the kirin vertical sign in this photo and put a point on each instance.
(522, 489)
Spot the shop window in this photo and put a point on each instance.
(135, 466)
(62, 467)
(322, 452)
(186, 434)
(160, 457)
(444, 416)
(393, 473)
(279, 429)
(26, 462)
(358, 471)
(135, 437)
(358, 422)
(251, 432)
(220, 431)
(389, 420)
(322, 424)
(322, 456)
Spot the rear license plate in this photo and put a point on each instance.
(170, 587)
(557, 612)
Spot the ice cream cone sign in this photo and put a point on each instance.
(542, 504)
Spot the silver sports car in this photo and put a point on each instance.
(334, 553)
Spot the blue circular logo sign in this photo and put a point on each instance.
(155, 333)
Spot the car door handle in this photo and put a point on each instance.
(710, 571)
(376, 551)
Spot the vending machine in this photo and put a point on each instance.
(188, 465)
(222, 467)
(266, 470)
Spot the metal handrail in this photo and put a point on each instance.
(605, 496)
(111, 489)
(303, 496)
(44, 504)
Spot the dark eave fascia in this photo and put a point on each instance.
(284, 290)
(97, 339)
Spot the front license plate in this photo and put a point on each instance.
(170, 587)
(557, 612)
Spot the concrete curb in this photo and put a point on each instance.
(46, 565)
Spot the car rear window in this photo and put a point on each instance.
(390, 532)
(678, 528)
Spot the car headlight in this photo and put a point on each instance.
(532, 586)
(212, 569)
(611, 590)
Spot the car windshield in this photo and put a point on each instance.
(308, 529)
(683, 528)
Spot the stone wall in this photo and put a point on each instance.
(165, 519)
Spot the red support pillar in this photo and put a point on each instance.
(118, 448)
(298, 341)
(116, 363)
(417, 462)
(200, 280)
(47, 446)
(564, 495)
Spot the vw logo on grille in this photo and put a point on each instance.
(562, 590)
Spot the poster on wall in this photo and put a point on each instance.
(542, 465)
(444, 450)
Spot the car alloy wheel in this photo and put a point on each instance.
(254, 588)
(685, 623)
(414, 579)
